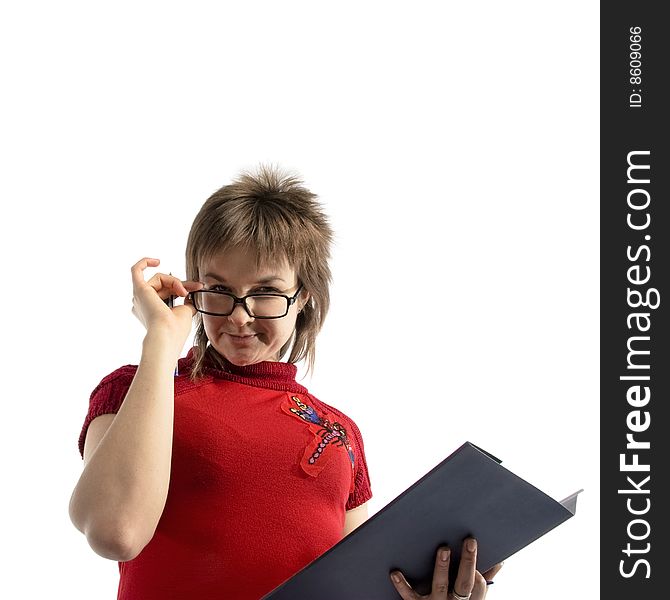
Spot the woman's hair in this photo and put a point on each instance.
(273, 215)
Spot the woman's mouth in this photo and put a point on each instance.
(241, 339)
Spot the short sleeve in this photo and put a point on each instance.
(362, 490)
(107, 398)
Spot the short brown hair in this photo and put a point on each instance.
(273, 213)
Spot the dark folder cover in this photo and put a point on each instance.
(468, 493)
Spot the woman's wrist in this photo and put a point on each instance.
(162, 345)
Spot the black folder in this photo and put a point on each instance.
(468, 494)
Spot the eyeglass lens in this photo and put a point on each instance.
(259, 306)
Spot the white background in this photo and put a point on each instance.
(455, 148)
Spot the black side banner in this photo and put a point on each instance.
(635, 259)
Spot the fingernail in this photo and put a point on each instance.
(490, 582)
(471, 545)
(395, 577)
(444, 555)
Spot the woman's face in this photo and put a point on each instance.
(234, 271)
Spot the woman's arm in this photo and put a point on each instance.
(121, 493)
(355, 517)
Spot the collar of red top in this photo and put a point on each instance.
(268, 374)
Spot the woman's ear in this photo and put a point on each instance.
(304, 299)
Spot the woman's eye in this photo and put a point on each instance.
(262, 290)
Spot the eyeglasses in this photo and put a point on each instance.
(258, 306)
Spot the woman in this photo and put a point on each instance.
(224, 476)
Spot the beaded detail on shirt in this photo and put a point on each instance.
(329, 434)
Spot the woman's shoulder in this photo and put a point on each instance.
(338, 414)
(120, 373)
(123, 376)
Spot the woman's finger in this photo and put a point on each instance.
(159, 281)
(137, 270)
(440, 587)
(480, 588)
(467, 567)
(167, 285)
(492, 572)
(188, 302)
(164, 285)
(191, 286)
(402, 587)
(159, 287)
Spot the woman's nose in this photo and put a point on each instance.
(239, 316)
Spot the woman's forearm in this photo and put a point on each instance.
(122, 491)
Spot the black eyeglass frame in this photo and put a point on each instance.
(243, 301)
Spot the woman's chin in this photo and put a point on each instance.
(240, 362)
(244, 354)
(241, 358)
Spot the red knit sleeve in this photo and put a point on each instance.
(107, 398)
(362, 491)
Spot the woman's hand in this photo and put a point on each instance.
(149, 300)
(469, 583)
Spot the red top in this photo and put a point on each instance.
(262, 474)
